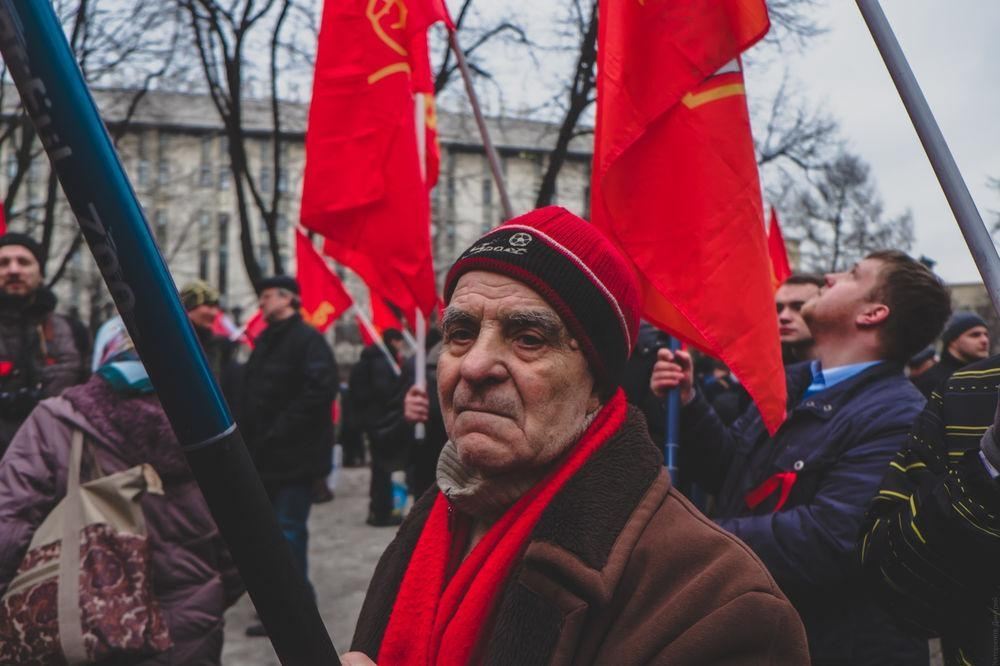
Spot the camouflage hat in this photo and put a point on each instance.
(198, 293)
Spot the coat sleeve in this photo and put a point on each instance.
(708, 445)
(812, 545)
(931, 538)
(317, 390)
(32, 482)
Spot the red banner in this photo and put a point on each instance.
(324, 298)
(777, 251)
(365, 185)
(675, 182)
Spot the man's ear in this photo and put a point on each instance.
(874, 314)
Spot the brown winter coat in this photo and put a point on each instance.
(193, 577)
(621, 570)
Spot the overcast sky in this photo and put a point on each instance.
(953, 49)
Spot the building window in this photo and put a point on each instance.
(11, 165)
(263, 247)
(204, 241)
(205, 169)
(487, 196)
(223, 267)
(224, 162)
(160, 228)
(163, 160)
(586, 192)
(282, 169)
(142, 164)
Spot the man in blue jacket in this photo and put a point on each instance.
(798, 497)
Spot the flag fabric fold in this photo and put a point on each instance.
(323, 295)
(778, 252)
(675, 182)
(366, 180)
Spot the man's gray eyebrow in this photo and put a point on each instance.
(550, 323)
(454, 316)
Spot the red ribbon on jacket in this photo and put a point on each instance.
(782, 480)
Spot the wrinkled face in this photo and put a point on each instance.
(973, 345)
(204, 315)
(789, 300)
(20, 273)
(847, 299)
(515, 388)
(275, 303)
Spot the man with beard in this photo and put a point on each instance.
(798, 497)
(41, 353)
(796, 340)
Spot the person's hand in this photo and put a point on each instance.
(356, 659)
(416, 405)
(673, 370)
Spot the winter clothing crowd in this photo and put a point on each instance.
(545, 528)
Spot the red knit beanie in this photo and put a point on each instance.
(578, 272)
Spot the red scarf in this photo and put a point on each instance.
(435, 621)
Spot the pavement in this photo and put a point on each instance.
(343, 552)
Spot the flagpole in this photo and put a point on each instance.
(977, 237)
(374, 334)
(672, 443)
(420, 368)
(491, 153)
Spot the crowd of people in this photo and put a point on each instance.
(544, 527)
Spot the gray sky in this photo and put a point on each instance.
(953, 49)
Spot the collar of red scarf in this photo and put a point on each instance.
(439, 621)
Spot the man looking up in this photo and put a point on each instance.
(41, 353)
(555, 536)
(792, 295)
(798, 497)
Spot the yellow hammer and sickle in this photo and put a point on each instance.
(376, 11)
(320, 315)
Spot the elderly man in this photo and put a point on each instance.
(554, 536)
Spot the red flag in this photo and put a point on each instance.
(324, 298)
(777, 250)
(366, 337)
(254, 327)
(675, 182)
(3, 219)
(385, 315)
(365, 188)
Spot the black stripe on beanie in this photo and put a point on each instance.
(591, 319)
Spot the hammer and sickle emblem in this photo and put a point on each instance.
(520, 240)
(380, 9)
(320, 315)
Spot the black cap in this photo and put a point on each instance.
(959, 323)
(26, 241)
(286, 282)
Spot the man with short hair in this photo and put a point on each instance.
(965, 340)
(792, 295)
(41, 353)
(798, 497)
(556, 536)
(201, 302)
(288, 391)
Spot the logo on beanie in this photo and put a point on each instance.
(520, 240)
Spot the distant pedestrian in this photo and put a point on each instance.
(41, 352)
(288, 392)
(796, 340)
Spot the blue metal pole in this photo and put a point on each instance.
(83, 157)
(672, 443)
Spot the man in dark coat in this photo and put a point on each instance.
(201, 301)
(965, 340)
(288, 391)
(798, 497)
(931, 541)
(41, 353)
(556, 537)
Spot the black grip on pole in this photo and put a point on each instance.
(247, 522)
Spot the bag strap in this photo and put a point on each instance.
(70, 621)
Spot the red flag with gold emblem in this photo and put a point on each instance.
(366, 179)
(323, 295)
(777, 251)
(675, 182)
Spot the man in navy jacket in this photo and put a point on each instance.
(798, 497)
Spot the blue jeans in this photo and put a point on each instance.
(291, 504)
